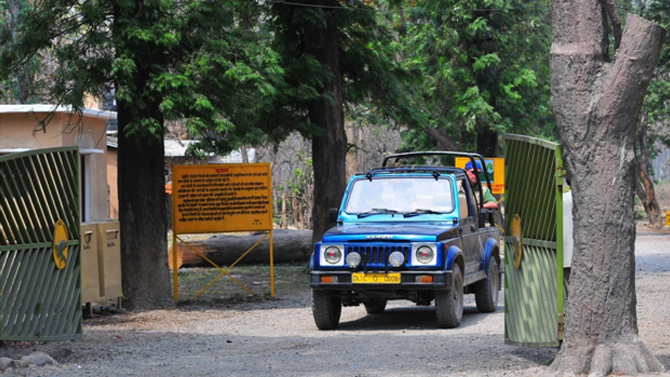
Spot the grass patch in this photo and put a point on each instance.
(290, 280)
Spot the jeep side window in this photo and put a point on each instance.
(466, 200)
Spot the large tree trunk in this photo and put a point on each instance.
(142, 214)
(644, 186)
(329, 149)
(597, 105)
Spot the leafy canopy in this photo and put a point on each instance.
(485, 64)
(204, 62)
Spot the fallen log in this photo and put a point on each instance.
(288, 246)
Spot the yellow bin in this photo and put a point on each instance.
(109, 259)
(90, 271)
(667, 218)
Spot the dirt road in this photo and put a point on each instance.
(278, 338)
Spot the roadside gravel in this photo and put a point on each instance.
(278, 337)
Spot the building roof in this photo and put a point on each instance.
(37, 108)
(177, 148)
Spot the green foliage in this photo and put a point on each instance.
(658, 95)
(376, 87)
(303, 180)
(21, 85)
(485, 65)
(205, 62)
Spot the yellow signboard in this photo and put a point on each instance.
(496, 169)
(221, 198)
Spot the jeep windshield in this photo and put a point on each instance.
(403, 195)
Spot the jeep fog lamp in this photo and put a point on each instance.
(424, 254)
(332, 255)
(353, 260)
(396, 259)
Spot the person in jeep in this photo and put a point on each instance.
(490, 201)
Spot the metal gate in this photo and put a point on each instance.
(40, 265)
(533, 242)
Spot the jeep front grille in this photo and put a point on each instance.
(376, 256)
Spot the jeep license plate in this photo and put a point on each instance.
(374, 278)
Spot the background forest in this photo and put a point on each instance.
(426, 75)
(320, 88)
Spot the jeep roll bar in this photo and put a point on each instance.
(472, 156)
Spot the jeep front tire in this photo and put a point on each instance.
(486, 291)
(449, 302)
(326, 309)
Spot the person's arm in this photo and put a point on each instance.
(490, 201)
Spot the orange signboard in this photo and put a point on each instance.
(496, 169)
(221, 198)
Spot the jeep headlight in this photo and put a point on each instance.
(425, 254)
(332, 255)
(353, 259)
(396, 259)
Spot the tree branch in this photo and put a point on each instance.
(640, 48)
(444, 141)
(615, 20)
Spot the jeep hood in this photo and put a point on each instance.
(390, 232)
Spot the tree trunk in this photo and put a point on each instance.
(142, 214)
(353, 133)
(597, 105)
(487, 142)
(330, 148)
(244, 154)
(283, 210)
(288, 246)
(644, 186)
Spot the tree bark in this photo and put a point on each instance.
(597, 105)
(145, 274)
(329, 149)
(644, 186)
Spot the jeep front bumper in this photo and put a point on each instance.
(409, 280)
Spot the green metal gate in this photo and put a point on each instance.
(40, 265)
(533, 242)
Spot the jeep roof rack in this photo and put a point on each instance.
(434, 170)
(399, 156)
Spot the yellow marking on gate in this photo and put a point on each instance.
(517, 240)
(60, 244)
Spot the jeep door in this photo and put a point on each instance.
(468, 228)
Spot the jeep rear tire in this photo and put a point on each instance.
(326, 309)
(486, 291)
(449, 302)
(375, 305)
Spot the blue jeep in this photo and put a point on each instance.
(410, 232)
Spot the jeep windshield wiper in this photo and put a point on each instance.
(376, 211)
(420, 211)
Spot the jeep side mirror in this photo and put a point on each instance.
(332, 215)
